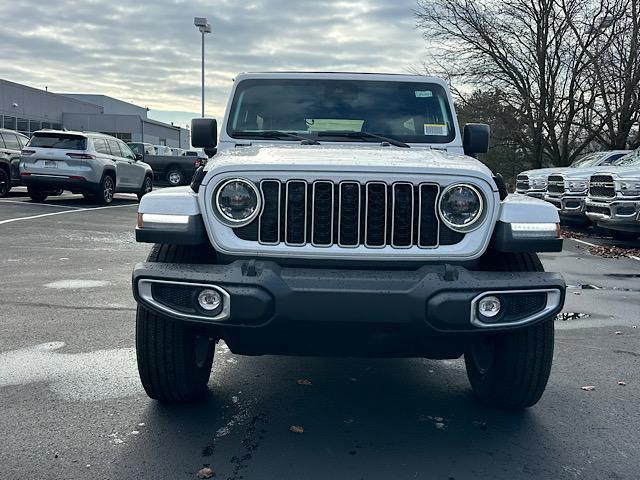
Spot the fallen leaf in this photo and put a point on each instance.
(588, 388)
(296, 429)
(438, 419)
(439, 425)
(304, 381)
(618, 333)
(205, 473)
(622, 384)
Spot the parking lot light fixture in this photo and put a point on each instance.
(204, 27)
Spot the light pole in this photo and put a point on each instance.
(204, 27)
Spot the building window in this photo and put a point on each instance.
(9, 122)
(23, 126)
(34, 126)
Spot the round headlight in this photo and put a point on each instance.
(238, 202)
(460, 207)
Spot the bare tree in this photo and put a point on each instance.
(537, 52)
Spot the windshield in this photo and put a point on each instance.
(588, 160)
(630, 159)
(408, 111)
(58, 140)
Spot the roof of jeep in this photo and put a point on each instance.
(346, 75)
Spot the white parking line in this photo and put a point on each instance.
(19, 219)
(43, 204)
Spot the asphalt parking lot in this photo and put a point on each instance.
(71, 406)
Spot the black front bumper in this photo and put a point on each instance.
(407, 311)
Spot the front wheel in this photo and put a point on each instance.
(511, 370)
(5, 183)
(174, 361)
(175, 177)
(147, 186)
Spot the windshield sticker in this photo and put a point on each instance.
(436, 129)
(424, 93)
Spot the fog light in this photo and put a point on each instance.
(209, 299)
(489, 306)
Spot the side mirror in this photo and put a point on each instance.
(139, 157)
(204, 133)
(475, 138)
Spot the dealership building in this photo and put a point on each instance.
(28, 109)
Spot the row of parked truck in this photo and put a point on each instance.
(602, 188)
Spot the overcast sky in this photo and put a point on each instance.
(148, 51)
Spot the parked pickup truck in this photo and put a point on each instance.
(345, 215)
(534, 182)
(175, 170)
(614, 198)
(567, 189)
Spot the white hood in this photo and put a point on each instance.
(347, 159)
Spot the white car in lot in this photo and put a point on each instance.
(534, 182)
(567, 189)
(614, 198)
(94, 164)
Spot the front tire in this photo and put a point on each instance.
(175, 177)
(147, 187)
(511, 370)
(174, 358)
(5, 183)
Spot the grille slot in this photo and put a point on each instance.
(602, 186)
(296, 212)
(376, 214)
(597, 209)
(556, 184)
(349, 214)
(322, 214)
(522, 182)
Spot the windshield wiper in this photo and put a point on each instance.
(352, 134)
(275, 134)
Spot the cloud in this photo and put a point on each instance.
(149, 53)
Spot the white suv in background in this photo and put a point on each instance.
(93, 164)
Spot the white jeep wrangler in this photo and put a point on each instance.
(344, 215)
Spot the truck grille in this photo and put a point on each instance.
(556, 184)
(522, 182)
(349, 214)
(598, 209)
(602, 186)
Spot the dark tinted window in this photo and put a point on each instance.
(613, 158)
(101, 146)
(11, 141)
(64, 141)
(409, 111)
(137, 148)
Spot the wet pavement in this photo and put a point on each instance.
(71, 406)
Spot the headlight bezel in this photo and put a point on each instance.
(477, 221)
(623, 187)
(231, 222)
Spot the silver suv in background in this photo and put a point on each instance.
(94, 164)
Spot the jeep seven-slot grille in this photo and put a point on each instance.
(602, 186)
(522, 182)
(349, 214)
(556, 184)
